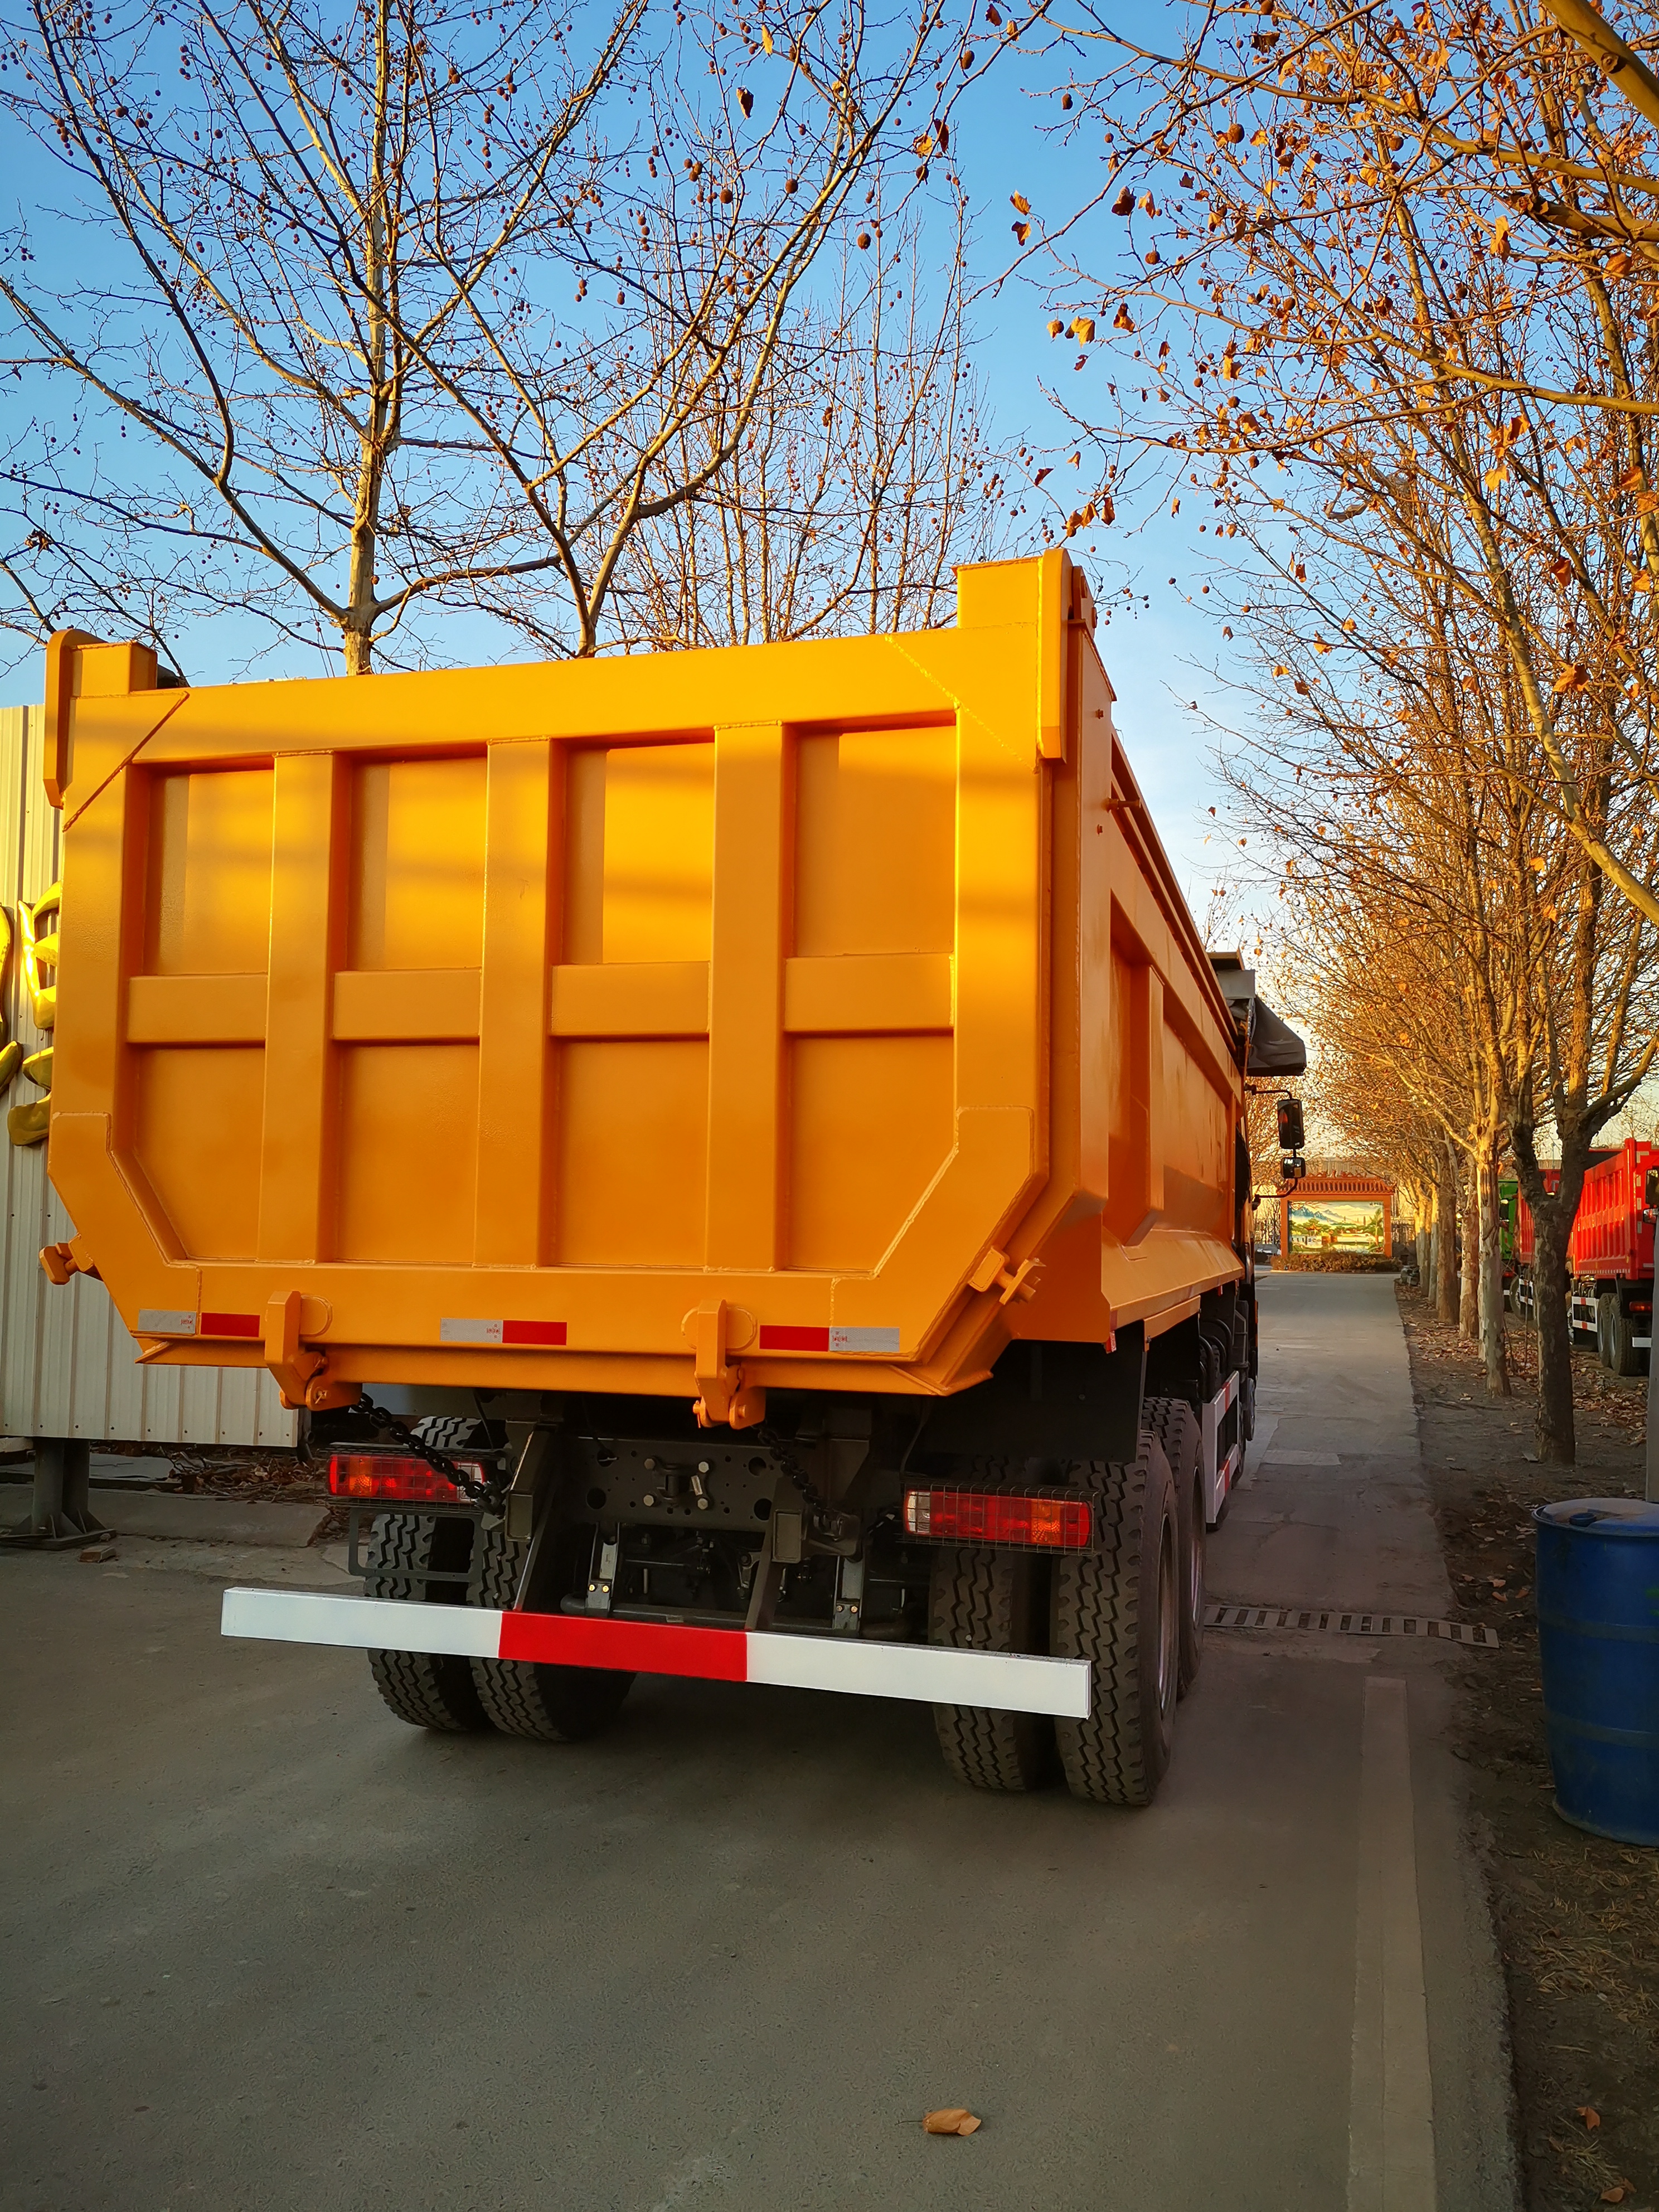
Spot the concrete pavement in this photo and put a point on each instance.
(267, 1948)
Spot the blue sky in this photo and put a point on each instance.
(1158, 655)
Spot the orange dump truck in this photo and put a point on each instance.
(737, 1154)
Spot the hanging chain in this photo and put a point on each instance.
(782, 1450)
(487, 1493)
(826, 1521)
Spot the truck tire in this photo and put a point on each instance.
(520, 1697)
(983, 1600)
(428, 1689)
(1606, 1306)
(1171, 1421)
(1622, 1357)
(1118, 1605)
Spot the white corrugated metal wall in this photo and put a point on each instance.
(66, 1363)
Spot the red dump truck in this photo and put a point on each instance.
(740, 1156)
(1609, 1273)
(1611, 1256)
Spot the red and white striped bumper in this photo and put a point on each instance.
(1010, 1681)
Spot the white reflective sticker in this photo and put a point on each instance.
(165, 1320)
(469, 1332)
(1007, 1681)
(864, 1340)
(359, 1623)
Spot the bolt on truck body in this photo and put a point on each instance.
(769, 1110)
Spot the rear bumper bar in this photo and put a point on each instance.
(1007, 1681)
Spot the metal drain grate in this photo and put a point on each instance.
(1334, 1620)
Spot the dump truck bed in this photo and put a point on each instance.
(808, 1016)
(1613, 1230)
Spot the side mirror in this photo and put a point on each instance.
(1650, 1190)
(1291, 1138)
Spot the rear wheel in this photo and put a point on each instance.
(1621, 1354)
(1172, 1422)
(1119, 1607)
(520, 1697)
(983, 1600)
(428, 1689)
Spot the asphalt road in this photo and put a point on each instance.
(267, 1948)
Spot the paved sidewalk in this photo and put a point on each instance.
(272, 1951)
(1335, 1512)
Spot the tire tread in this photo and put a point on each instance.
(1173, 1422)
(1113, 1757)
(548, 1705)
(973, 1604)
(427, 1689)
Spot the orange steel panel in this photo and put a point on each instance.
(523, 848)
(824, 982)
(408, 1006)
(196, 1009)
(297, 1160)
(641, 998)
(745, 1002)
(856, 992)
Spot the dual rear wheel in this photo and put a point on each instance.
(1615, 1336)
(455, 1696)
(1133, 1604)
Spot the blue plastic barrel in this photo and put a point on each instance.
(1598, 1648)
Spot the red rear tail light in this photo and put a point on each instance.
(396, 1475)
(992, 1516)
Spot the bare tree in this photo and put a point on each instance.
(410, 308)
(865, 474)
(1464, 948)
(266, 205)
(1404, 281)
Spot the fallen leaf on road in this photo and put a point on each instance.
(1588, 2115)
(950, 2120)
(1618, 2192)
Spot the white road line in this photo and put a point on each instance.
(1391, 2100)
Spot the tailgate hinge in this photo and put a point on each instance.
(723, 1396)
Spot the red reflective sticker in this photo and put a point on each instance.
(782, 1336)
(228, 1325)
(638, 1647)
(533, 1332)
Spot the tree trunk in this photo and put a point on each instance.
(1445, 1246)
(1469, 1306)
(1421, 1201)
(1553, 1434)
(1493, 1347)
